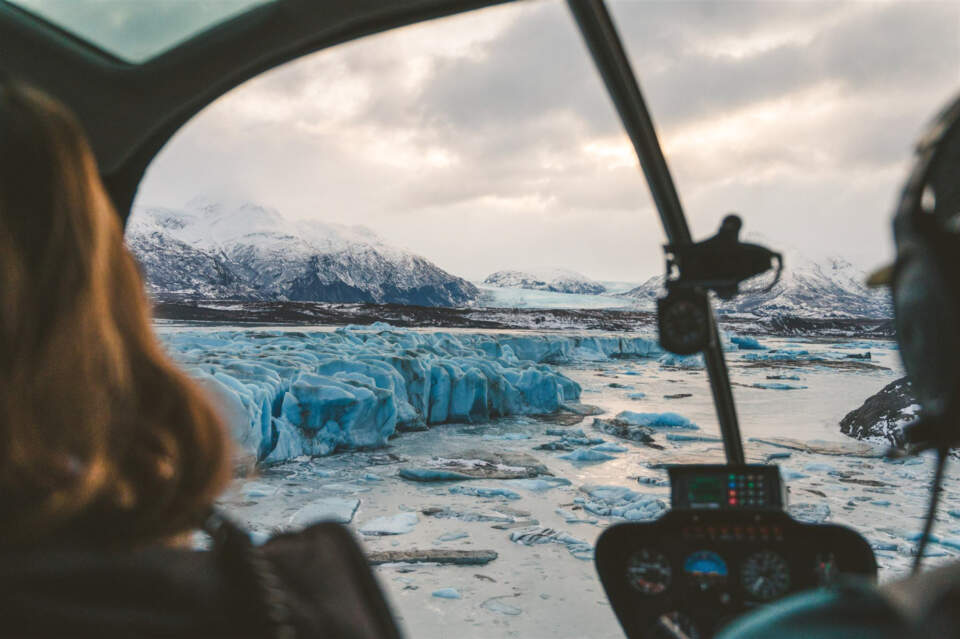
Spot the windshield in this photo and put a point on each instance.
(420, 270)
(135, 30)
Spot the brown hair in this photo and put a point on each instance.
(102, 438)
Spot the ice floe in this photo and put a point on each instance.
(586, 455)
(620, 502)
(482, 491)
(336, 509)
(540, 535)
(399, 524)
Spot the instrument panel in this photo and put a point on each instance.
(695, 569)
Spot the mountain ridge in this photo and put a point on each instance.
(250, 252)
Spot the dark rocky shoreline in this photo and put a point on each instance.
(314, 313)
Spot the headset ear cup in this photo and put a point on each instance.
(927, 308)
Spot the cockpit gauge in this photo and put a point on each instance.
(765, 575)
(649, 571)
(825, 568)
(676, 624)
(706, 569)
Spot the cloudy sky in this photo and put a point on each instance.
(486, 141)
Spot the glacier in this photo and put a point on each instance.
(287, 394)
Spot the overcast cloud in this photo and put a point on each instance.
(487, 141)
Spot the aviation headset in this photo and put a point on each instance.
(926, 281)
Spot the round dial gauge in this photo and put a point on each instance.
(765, 575)
(685, 328)
(649, 571)
(677, 624)
(706, 569)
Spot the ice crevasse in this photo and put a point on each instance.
(290, 393)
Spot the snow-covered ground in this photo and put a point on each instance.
(791, 394)
(500, 297)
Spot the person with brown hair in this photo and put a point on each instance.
(109, 455)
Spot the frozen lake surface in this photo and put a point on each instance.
(551, 589)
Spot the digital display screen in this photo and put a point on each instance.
(706, 489)
(723, 486)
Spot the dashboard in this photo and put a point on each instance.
(725, 548)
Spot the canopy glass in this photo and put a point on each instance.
(135, 30)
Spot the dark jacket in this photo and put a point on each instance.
(311, 584)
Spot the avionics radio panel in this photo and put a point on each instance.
(723, 487)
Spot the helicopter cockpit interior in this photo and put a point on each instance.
(727, 545)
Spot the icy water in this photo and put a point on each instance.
(547, 590)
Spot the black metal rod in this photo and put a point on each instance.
(608, 53)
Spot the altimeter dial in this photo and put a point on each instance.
(649, 571)
(765, 575)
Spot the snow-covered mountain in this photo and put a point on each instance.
(555, 280)
(831, 288)
(247, 251)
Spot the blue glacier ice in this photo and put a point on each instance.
(287, 394)
(671, 360)
(656, 420)
(618, 501)
(586, 455)
(482, 491)
(399, 524)
(777, 386)
(747, 343)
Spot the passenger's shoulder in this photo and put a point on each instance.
(330, 583)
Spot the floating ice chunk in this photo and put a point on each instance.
(810, 513)
(540, 535)
(431, 474)
(254, 489)
(347, 488)
(507, 437)
(495, 605)
(453, 536)
(637, 395)
(777, 386)
(819, 468)
(652, 481)
(618, 501)
(684, 437)
(671, 360)
(481, 491)
(336, 509)
(540, 484)
(656, 420)
(771, 456)
(610, 447)
(586, 455)
(573, 518)
(372, 477)
(792, 475)
(747, 343)
(446, 593)
(399, 524)
(468, 515)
